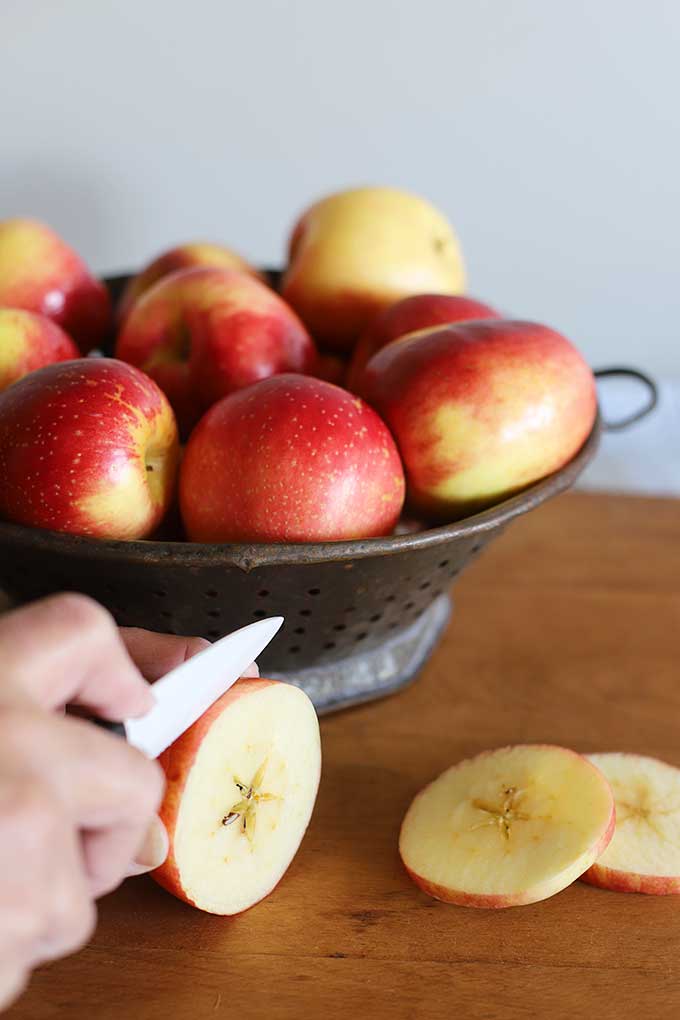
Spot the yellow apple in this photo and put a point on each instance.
(356, 252)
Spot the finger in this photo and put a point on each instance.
(66, 648)
(153, 850)
(156, 654)
(13, 981)
(105, 787)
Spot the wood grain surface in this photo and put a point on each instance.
(567, 630)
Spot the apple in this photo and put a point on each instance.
(508, 827)
(88, 447)
(644, 854)
(358, 251)
(412, 314)
(291, 459)
(203, 333)
(480, 410)
(184, 256)
(29, 341)
(241, 787)
(40, 273)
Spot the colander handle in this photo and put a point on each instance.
(647, 408)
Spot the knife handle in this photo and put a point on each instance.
(113, 727)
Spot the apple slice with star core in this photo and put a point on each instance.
(241, 787)
(508, 827)
(644, 854)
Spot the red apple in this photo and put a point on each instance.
(40, 273)
(203, 333)
(88, 447)
(480, 410)
(185, 256)
(420, 311)
(291, 459)
(29, 341)
(241, 786)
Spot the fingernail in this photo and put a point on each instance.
(153, 851)
(251, 672)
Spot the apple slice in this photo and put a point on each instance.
(507, 827)
(644, 854)
(241, 786)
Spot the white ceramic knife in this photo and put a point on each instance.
(185, 693)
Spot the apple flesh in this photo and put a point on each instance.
(480, 410)
(29, 341)
(87, 447)
(203, 333)
(410, 315)
(291, 459)
(644, 854)
(509, 827)
(184, 256)
(241, 787)
(40, 273)
(356, 252)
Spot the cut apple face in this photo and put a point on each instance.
(241, 786)
(509, 827)
(644, 854)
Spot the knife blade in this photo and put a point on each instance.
(186, 692)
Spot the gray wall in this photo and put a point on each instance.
(546, 129)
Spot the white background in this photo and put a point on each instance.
(546, 129)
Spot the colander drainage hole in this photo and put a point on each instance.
(329, 645)
(213, 634)
(262, 594)
(424, 585)
(443, 564)
(361, 636)
(408, 605)
(314, 591)
(160, 594)
(391, 598)
(210, 593)
(259, 614)
(376, 617)
(213, 613)
(305, 612)
(300, 630)
(339, 626)
(166, 614)
(294, 649)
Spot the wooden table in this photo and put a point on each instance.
(568, 631)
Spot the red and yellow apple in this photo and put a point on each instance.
(29, 341)
(184, 256)
(508, 827)
(644, 854)
(88, 447)
(40, 273)
(358, 251)
(241, 787)
(411, 314)
(291, 459)
(203, 333)
(480, 410)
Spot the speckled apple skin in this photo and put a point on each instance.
(39, 272)
(29, 341)
(420, 311)
(184, 256)
(206, 332)
(76, 441)
(291, 459)
(480, 410)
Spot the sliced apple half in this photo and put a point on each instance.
(241, 786)
(508, 827)
(644, 854)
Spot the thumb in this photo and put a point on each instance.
(153, 850)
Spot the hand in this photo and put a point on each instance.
(75, 802)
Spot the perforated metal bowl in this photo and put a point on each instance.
(361, 616)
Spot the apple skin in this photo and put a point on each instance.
(29, 341)
(480, 410)
(291, 459)
(40, 273)
(184, 256)
(87, 447)
(176, 763)
(624, 881)
(411, 314)
(203, 333)
(358, 251)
